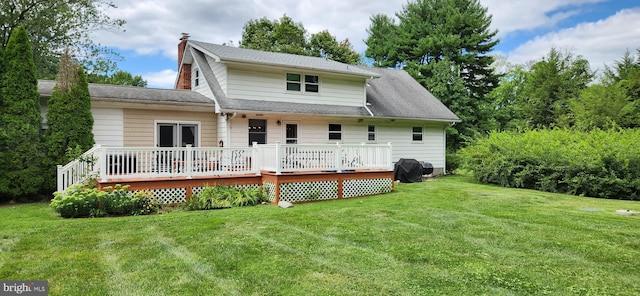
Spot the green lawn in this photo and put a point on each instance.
(445, 237)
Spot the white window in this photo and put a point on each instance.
(310, 83)
(293, 82)
(197, 78)
(417, 133)
(371, 133)
(335, 132)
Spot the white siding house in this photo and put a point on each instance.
(272, 97)
(232, 97)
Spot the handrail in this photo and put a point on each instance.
(78, 170)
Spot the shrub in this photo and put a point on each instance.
(77, 201)
(452, 162)
(81, 201)
(218, 197)
(603, 164)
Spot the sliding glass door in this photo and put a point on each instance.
(177, 135)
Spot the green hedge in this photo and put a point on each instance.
(604, 164)
(80, 201)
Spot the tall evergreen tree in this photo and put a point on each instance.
(380, 44)
(431, 31)
(20, 153)
(550, 85)
(68, 116)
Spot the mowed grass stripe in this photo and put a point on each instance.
(196, 265)
(117, 280)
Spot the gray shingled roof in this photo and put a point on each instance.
(397, 95)
(130, 93)
(234, 54)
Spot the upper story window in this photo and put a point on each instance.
(416, 131)
(303, 83)
(196, 81)
(311, 83)
(293, 82)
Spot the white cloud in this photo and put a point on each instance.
(600, 42)
(155, 26)
(163, 79)
(524, 15)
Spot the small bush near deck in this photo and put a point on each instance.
(80, 201)
(77, 201)
(604, 164)
(218, 197)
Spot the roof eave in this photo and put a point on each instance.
(138, 101)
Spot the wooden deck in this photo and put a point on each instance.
(292, 187)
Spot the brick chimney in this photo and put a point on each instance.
(184, 75)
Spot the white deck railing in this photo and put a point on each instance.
(155, 162)
(79, 170)
(287, 158)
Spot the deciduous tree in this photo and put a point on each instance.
(52, 25)
(325, 45)
(286, 36)
(120, 77)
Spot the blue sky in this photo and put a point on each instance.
(599, 30)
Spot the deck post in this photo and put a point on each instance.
(338, 157)
(390, 156)
(60, 180)
(188, 163)
(254, 162)
(278, 159)
(103, 163)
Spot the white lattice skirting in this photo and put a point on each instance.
(362, 187)
(293, 188)
(170, 195)
(309, 191)
(269, 189)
